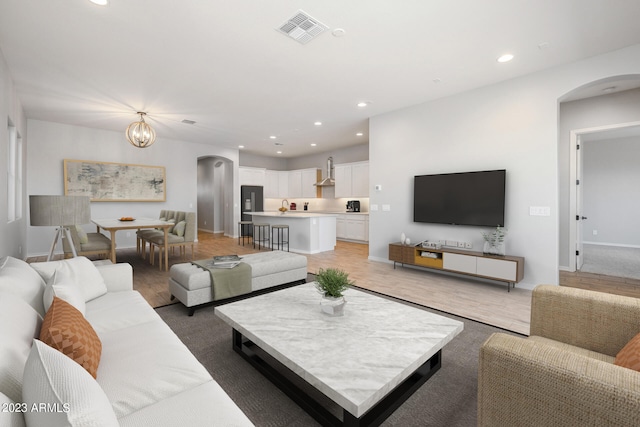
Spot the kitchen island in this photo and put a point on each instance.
(309, 233)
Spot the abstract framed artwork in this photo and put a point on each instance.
(114, 182)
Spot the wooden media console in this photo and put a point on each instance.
(508, 269)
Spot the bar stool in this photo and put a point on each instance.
(278, 230)
(243, 230)
(260, 234)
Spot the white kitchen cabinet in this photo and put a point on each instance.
(341, 224)
(342, 175)
(272, 184)
(276, 184)
(310, 177)
(301, 183)
(283, 184)
(295, 184)
(251, 176)
(354, 227)
(360, 179)
(352, 180)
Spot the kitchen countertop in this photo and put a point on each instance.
(301, 212)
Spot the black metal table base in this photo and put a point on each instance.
(374, 417)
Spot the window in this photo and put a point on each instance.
(14, 175)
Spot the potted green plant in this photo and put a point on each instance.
(494, 241)
(331, 283)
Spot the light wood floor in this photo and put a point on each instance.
(484, 302)
(466, 297)
(601, 283)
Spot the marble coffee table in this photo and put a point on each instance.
(368, 361)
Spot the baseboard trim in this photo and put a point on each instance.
(619, 245)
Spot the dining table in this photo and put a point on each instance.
(114, 225)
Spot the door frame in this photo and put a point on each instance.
(575, 175)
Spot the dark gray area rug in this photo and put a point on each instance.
(447, 399)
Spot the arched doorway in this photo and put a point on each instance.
(215, 195)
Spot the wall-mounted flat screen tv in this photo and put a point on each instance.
(467, 198)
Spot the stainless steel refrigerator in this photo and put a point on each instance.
(252, 199)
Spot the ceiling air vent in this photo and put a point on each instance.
(302, 28)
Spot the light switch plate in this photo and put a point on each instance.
(386, 208)
(539, 210)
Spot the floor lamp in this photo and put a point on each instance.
(59, 211)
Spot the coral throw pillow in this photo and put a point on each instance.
(629, 356)
(65, 329)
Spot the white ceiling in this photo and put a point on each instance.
(224, 65)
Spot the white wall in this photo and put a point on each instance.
(611, 192)
(511, 125)
(353, 153)
(50, 143)
(267, 162)
(13, 235)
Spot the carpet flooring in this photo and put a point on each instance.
(614, 261)
(447, 399)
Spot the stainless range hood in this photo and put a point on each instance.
(328, 181)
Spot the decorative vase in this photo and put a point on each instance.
(402, 238)
(494, 249)
(333, 306)
(408, 241)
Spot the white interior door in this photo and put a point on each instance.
(579, 209)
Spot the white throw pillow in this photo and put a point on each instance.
(19, 325)
(68, 392)
(62, 286)
(17, 277)
(11, 413)
(179, 229)
(82, 235)
(81, 270)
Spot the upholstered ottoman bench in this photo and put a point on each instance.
(192, 286)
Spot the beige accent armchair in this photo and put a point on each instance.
(563, 374)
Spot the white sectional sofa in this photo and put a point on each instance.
(145, 377)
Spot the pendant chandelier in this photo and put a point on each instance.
(140, 134)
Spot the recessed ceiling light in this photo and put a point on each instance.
(278, 152)
(338, 32)
(505, 58)
(240, 146)
(272, 137)
(100, 2)
(359, 134)
(318, 123)
(313, 144)
(363, 104)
